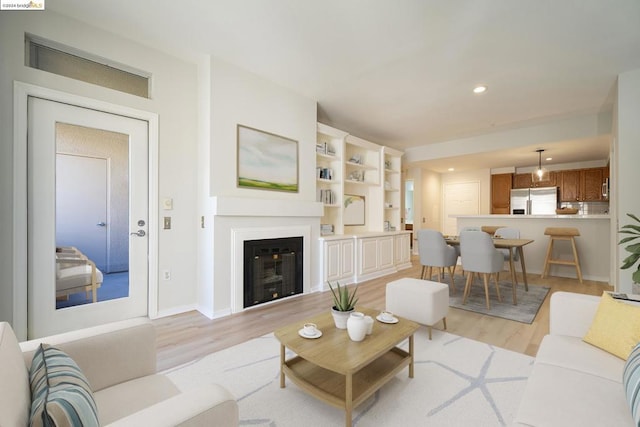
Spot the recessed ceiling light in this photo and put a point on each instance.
(549, 158)
(480, 89)
(451, 169)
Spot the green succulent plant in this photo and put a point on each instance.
(343, 300)
(634, 249)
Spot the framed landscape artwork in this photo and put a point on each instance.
(267, 161)
(353, 209)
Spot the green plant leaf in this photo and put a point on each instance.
(635, 248)
(628, 227)
(633, 216)
(630, 260)
(628, 239)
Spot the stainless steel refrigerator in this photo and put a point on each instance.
(534, 201)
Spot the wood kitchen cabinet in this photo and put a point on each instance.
(570, 186)
(501, 185)
(523, 180)
(592, 180)
(583, 185)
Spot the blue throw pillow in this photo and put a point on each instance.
(60, 393)
(631, 382)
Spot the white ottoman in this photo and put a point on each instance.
(422, 301)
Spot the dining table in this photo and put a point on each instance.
(511, 244)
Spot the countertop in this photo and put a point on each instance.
(605, 216)
(364, 234)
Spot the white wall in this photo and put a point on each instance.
(626, 155)
(174, 99)
(431, 201)
(240, 97)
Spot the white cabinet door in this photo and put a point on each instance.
(338, 261)
(333, 260)
(368, 251)
(347, 259)
(385, 252)
(403, 249)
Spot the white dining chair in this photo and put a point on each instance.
(470, 228)
(510, 233)
(480, 256)
(434, 252)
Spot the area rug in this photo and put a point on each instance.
(457, 382)
(525, 311)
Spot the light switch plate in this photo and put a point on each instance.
(167, 223)
(167, 203)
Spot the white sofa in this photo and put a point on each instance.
(573, 383)
(119, 361)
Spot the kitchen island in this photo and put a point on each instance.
(594, 244)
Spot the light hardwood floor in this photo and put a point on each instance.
(190, 336)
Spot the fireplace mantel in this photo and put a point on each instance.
(251, 207)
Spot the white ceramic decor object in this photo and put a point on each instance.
(340, 318)
(369, 321)
(356, 326)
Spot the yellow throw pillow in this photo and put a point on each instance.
(615, 328)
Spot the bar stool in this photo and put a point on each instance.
(562, 233)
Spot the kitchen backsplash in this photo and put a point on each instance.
(588, 208)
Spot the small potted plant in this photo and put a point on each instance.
(344, 303)
(634, 249)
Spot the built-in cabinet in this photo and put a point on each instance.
(392, 189)
(501, 185)
(352, 170)
(524, 180)
(356, 258)
(348, 166)
(583, 185)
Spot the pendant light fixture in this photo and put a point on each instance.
(540, 174)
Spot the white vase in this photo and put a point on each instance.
(340, 318)
(357, 326)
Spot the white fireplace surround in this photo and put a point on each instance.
(238, 237)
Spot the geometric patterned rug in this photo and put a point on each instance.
(457, 382)
(525, 311)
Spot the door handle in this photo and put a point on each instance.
(101, 224)
(139, 233)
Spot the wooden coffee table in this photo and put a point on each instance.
(341, 372)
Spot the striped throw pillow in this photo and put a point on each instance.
(631, 383)
(60, 393)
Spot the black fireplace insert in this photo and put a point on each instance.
(272, 269)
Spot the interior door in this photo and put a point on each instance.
(81, 205)
(45, 121)
(459, 199)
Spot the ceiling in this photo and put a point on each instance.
(401, 73)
